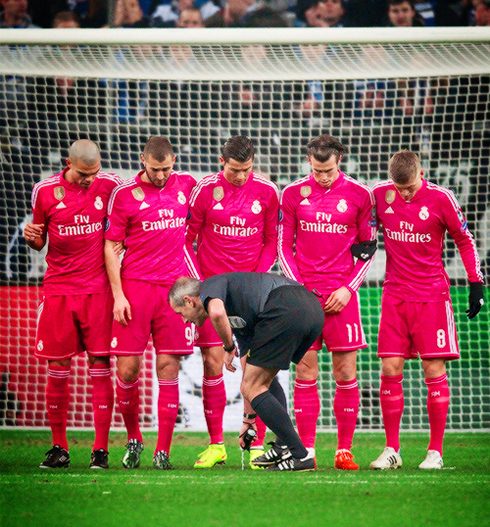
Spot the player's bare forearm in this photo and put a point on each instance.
(337, 300)
(122, 308)
(35, 236)
(113, 266)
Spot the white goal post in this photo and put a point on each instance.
(376, 89)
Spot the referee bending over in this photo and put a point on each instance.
(275, 320)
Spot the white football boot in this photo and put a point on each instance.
(432, 461)
(389, 458)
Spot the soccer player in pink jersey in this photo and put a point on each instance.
(234, 216)
(148, 214)
(417, 317)
(328, 220)
(69, 211)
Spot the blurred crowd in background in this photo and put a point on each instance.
(242, 13)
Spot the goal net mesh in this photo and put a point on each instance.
(376, 97)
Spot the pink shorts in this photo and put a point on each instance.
(151, 315)
(69, 325)
(343, 331)
(411, 329)
(206, 336)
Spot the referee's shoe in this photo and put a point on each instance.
(290, 463)
(273, 456)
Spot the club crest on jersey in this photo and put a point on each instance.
(98, 203)
(256, 207)
(218, 193)
(181, 198)
(390, 196)
(40, 345)
(59, 193)
(424, 213)
(342, 205)
(138, 194)
(305, 191)
(114, 342)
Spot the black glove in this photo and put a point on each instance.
(475, 300)
(364, 250)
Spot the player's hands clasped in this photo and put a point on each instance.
(337, 300)
(33, 231)
(475, 300)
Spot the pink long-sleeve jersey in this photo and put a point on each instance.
(236, 227)
(74, 218)
(414, 234)
(318, 228)
(151, 222)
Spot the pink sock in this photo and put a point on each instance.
(214, 402)
(128, 400)
(57, 400)
(346, 409)
(102, 403)
(261, 429)
(168, 408)
(306, 410)
(437, 407)
(392, 404)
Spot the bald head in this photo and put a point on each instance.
(85, 151)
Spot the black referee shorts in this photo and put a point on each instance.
(291, 321)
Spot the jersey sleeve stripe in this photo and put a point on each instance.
(295, 184)
(112, 177)
(204, 182)
(456, 206)
(54, 180)
(261, 179)
(357, 281)
(190, 264)
(448, 193)
(286, 269)
(126, 184)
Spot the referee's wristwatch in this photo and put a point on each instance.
(230, 349)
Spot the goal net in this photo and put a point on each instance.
(377, 90)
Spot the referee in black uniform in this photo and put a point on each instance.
(275, 320)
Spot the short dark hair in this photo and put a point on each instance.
(238, 147)
(398, 2)
(158, 147)
(404, 166)
(303, 5)
(323, 147)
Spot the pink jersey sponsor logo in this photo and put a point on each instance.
(167, 222)
(414, 233)
(318, 228)
(82, 226)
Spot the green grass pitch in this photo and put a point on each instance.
(458, 495)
